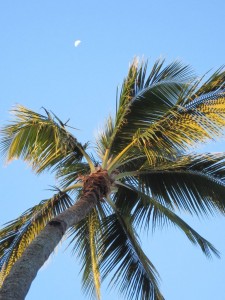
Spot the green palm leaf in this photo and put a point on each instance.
(148, 212)
(194, 183)
(71, 172)
(140, 97)
(19, 233)
(85, 238)
(214, 83)
(41, 140)
(164, 119)
(132, 270)
(203, 118)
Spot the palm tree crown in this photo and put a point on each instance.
(143, 166)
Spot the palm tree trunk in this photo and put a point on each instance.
(23, 272)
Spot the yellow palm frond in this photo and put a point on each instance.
(41, 140)
(19, 233)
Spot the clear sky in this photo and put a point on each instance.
(39, 66)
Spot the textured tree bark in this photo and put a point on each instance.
(23, 272)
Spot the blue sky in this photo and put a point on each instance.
(39, 66)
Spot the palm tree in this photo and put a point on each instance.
(141, 173)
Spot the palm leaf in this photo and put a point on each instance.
(146, 211)
(71, 172)
(174, 124)
(143, 101)
(194, 183)
(133, 272)
(39, 140)
(215, 82)
(85, 238)
(203, 118)
(19, 233)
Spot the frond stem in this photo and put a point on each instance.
(87, 157)
(74, 186)
(117, 159)
(105, 158)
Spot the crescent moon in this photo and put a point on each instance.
(77, 43)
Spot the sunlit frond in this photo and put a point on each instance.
(144, 100)
(165, 114)
(202, 119)
(85, 240)
(19, 233)
(214, 83)
(41, 140)
(103, 140)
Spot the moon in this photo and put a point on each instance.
(77, 43)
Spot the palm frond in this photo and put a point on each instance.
(19, 233)
(202, 119)
(144, 101)
(102, 140)
(71, 172)
(85, 238)
(214, 83)
(148, 212)
(194, 183)
(165, 120)
(43, 141)
(133, 272)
